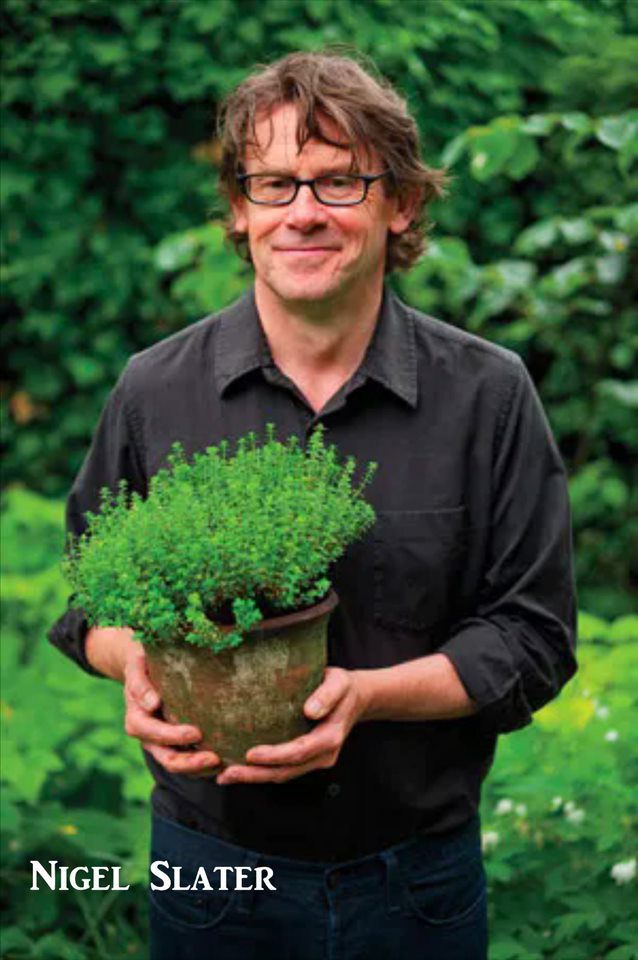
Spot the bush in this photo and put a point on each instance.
(226, 537)
(74, 788)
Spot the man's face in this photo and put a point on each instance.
(307, 251)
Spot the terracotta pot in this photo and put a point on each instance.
(250, 694)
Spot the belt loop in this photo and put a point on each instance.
(245, 897)
(393, 887)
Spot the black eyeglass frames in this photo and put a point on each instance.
(333, 189)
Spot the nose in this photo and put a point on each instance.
(305, 211)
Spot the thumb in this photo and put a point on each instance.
(327, 695)
(139, 685)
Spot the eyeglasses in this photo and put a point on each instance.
(333, 190)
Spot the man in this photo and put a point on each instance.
(456, 618)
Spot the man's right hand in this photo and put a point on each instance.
(113, 652)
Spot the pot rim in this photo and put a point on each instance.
(327, 605)
(272, 625)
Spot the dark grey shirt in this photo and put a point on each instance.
(470, 556)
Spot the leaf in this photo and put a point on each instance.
(591, 628)
(571, 924)
(610, 269)
(624, 629)
(576, 231)
(627, 154)
(577, 122)
(504, 948)
(176, 252)
(491, 151)
(517, 274)
(626, 218)
(616, 132)
(566, 714)
(614, 241)
(624, 392)
(453, 150)
(14, 940)
(539, 124)
(28, 774)
(625, 952)
(9, 813)
(539, 236)
(85, 370)
(524, 158)
(56, 946)
(569, 277)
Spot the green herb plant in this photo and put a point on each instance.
(220, 541)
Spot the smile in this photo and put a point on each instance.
(305, 251)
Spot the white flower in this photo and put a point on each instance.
(489, 840)
(569, 806)
(503, 806)
(611, 736)
(576, 815)
(557, 802)
(521, 809)
(602, 713)
(624, 872)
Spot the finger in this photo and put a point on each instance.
(262, 774)
(183, 763)
(139, 724)
(324, 739)
(137, 683)
(325, 698)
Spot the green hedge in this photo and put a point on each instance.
(109, 178)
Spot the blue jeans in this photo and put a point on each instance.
(423, 899)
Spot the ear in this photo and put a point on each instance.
(238, 209)
(404, 211)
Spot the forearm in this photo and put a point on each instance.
(107, 649)
(425, 689)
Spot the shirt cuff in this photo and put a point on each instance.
(486, 669)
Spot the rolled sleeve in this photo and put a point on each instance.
(518, 650)
(115, 454)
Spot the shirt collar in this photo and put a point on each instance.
(390, 358)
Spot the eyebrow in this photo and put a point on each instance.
(324, 172)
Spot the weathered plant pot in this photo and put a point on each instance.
(250, 694)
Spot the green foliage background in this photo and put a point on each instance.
(111, 239)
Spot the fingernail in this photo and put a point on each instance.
(314, 708)
(149, 700)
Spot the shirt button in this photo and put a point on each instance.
(333, 790)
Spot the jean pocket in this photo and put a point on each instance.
(199, 908)
(448, 894)
(418, 556)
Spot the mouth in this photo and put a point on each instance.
(305, 251)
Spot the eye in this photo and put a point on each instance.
(337, 181)
(275, 183)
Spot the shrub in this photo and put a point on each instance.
(225, 539)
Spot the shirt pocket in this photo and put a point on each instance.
(418, 558)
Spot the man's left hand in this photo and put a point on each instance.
(337, 703)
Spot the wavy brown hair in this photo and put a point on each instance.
(368, 112)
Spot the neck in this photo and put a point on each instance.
(311, 338)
